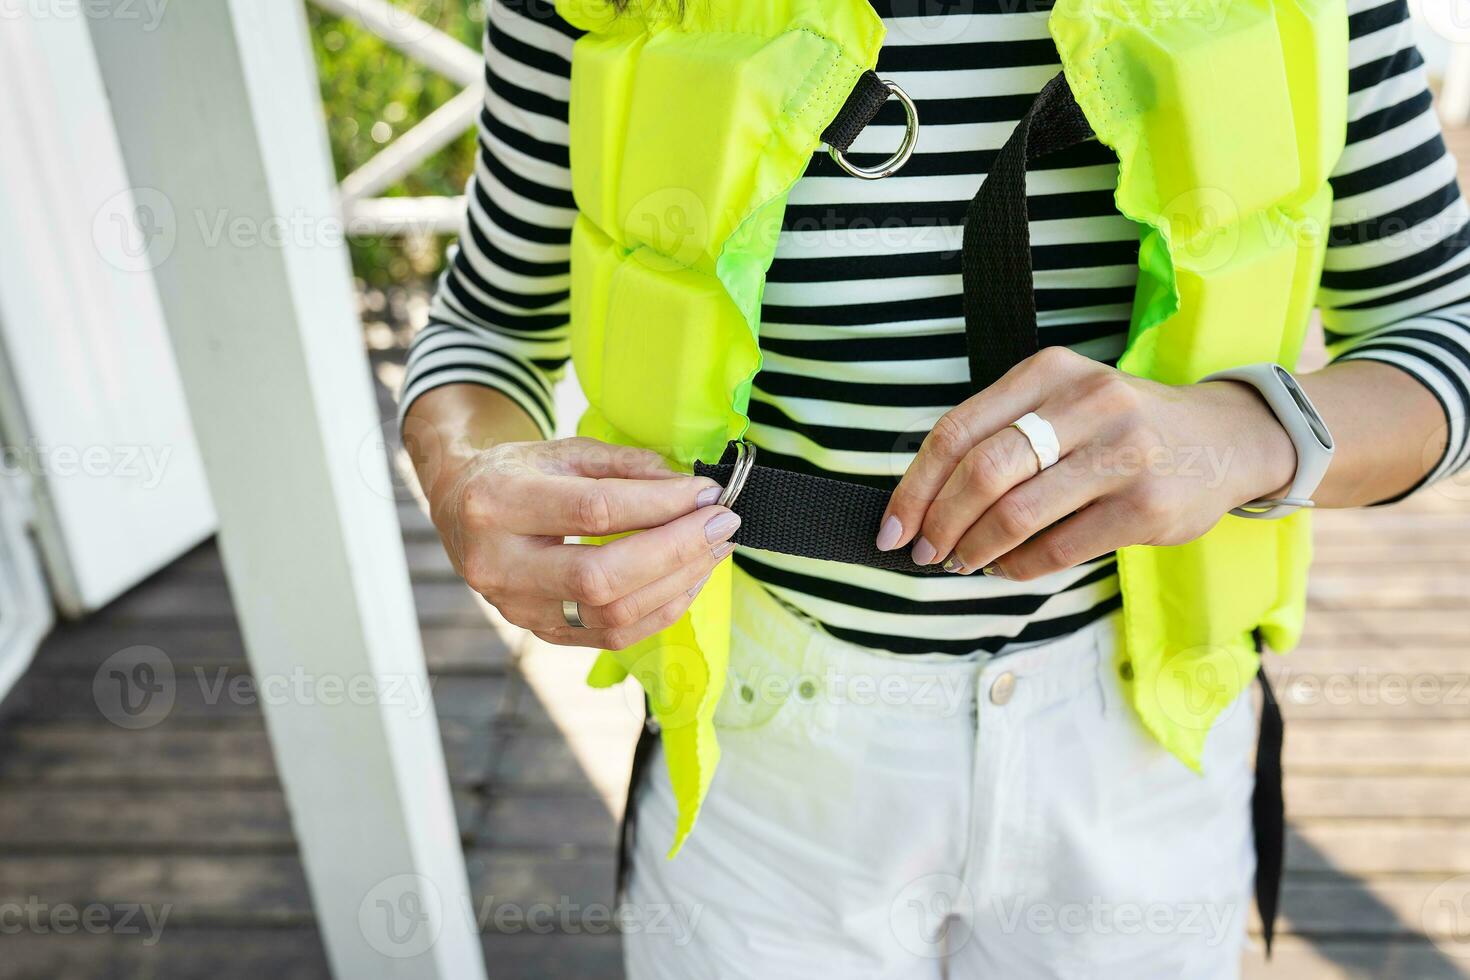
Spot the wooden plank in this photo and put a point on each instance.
(1377, 746)
(1319, 656)
(1365, 694)
(280, 954)
(236, 755)
(573, 764)
(1358, 795)
(547, 822)
(1388, 628)
(231, 693)
(81, 648)
(210, 890)
(93, 820)
(427, 560)
(1352, 959)
(1385, 907)
(588, 956)
(204, 890)
(1420, 589)
(1379, 846)
(202, 601)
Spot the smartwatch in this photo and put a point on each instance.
(1299, 417)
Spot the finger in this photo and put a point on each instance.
(546, 614)
(1027, 510)
(1097, 530)
(534, 503)
(984, 475)
(623, 636)
(989, 471)
(598, 575)
(962, 428)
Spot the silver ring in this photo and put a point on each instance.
(744, 463)
(572, 614)
(894, 163)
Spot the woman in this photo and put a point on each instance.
(945, 774)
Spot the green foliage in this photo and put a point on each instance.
(372, 94)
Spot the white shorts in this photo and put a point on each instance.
(900, 817)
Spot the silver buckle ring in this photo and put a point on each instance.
(744, 463)
(894, 163)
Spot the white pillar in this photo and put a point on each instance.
(217, 109)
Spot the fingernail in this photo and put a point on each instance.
(924, 552)
(694, 589)
(954, 566)
(721, 526)
(889, 534)
(993, 571)
(721, 550)
(707, 497)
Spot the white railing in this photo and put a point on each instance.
(366, 213)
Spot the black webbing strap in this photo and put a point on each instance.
(1268, 808)
(797, 514)
(812, 516)
(862, 105)
(1000, 302)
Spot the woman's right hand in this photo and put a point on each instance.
(505, 515)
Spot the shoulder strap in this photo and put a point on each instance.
(1000, 300)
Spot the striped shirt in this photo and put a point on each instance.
(863, 328)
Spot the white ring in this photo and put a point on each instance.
(1042, 436)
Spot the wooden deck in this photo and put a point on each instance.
(186, 819)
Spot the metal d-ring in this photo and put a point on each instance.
(894, 163)
(739, 473)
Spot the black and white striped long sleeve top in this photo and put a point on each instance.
(863, 330)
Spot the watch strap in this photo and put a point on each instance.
(1312, 456)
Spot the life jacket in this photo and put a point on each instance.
(688, 130)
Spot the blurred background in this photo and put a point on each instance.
(170, 807)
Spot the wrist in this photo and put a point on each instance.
(1266, 453)
(447, 429)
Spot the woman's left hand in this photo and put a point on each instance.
(1141, 463)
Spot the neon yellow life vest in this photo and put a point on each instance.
(1227, 117)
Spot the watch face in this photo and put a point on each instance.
(1304, 404)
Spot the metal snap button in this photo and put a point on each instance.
(1125, 670)
(747, 693)
(806, 690)
(1003, 689)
